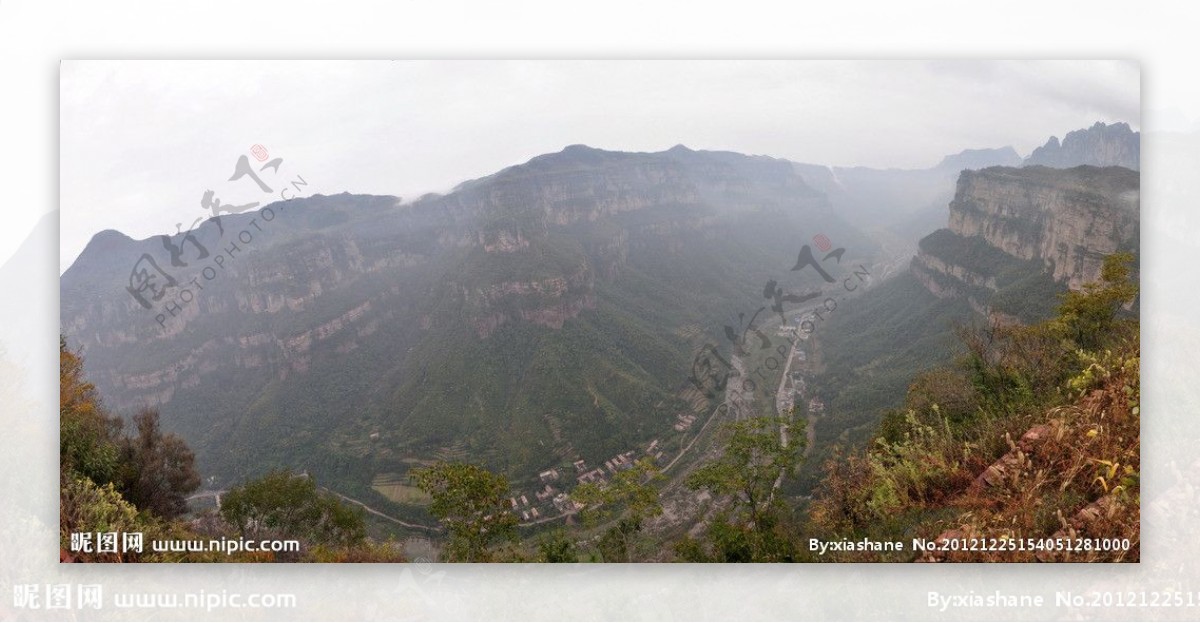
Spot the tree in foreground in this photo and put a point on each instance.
(759, 453)
(626, 501)
(89, 437)
(471, 503)
(157, 469)
(558, 546)
(287, 505)
(1090, 316)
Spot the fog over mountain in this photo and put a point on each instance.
(551, 312)
(143, 140)
(540, 314)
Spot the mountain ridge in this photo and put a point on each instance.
(357, 336)
(354, 335)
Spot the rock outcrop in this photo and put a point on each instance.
(1067, 219)
(1018, 236)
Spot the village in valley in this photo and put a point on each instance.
(549, 497)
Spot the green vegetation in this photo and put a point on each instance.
(283, 505)
(156, 468)
(751, 526)
(1087, 318)
(1072, 379)
(472, 505)
(88, 436)
(566, 344)
(557, 546)
(113, 483)
(973, 253)
(1034, 433)
(548, 315)
(871, 351)
(88, 508)
(1020, 288)
(867, 355)
(626, 501)
(102, 471)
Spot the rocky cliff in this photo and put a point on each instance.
(1017, 237)
(1067, 219)
(1011, 241)
(1014, 235)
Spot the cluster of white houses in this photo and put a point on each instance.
(551, 499)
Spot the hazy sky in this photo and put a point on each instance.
(143, 140)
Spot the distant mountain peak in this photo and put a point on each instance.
(110, 234)
(575, 153)
(1101, 145)
(981, 158)
(106, 241)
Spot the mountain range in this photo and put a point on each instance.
(551, 312)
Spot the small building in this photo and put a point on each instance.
(596, 475)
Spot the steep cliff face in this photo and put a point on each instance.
(577, 184)
(1058, 215)
(1067, 219)
(1018, 237)
(947, 280)
(1013, 241)
(548, 302)
(1016, 240)
(1101, 145)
